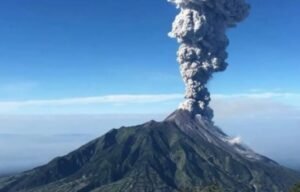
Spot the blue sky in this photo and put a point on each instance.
(54, 49)
(87, 57)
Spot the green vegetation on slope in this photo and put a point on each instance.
(296, 188)
(213, 188)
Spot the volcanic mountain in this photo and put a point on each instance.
(183, 153)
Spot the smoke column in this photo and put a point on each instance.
(200, 28)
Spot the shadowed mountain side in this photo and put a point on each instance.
(296, 188)
(182, 153)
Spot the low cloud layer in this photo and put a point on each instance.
(225, 105)
(265, 105)
(115, 100)
(267, 122)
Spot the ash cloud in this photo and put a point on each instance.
(200, 28)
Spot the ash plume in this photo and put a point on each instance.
(200, 28)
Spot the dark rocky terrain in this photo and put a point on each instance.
(181, 154)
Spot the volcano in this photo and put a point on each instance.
(183, 153)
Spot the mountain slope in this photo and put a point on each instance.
(296, 188)
(182, 153)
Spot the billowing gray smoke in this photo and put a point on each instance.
(200, 28)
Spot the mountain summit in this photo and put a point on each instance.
(183, 153)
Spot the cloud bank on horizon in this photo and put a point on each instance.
(200, 28)
(240, 105)
(261, 120)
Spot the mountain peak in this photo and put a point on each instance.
(199, 127)
(188, 122)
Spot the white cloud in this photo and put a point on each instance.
(81, 101)
(253, 105)
(260, 95)
(100, 99)
(257, 105)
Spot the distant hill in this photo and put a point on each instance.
(181, 154)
